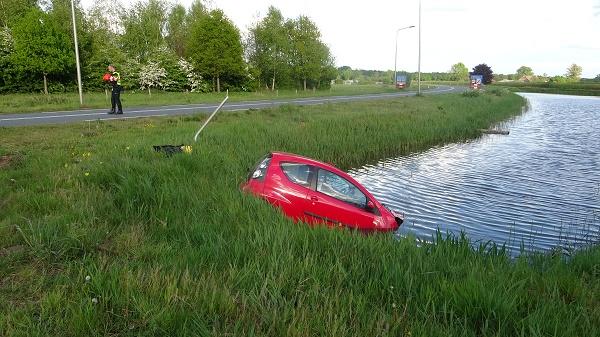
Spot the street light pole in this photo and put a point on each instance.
(76, 53)
(396, 54)
(419, 65)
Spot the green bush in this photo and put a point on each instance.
(471, 93)
(498, 91)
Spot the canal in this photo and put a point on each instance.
(536, 189)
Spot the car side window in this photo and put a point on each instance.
(298, 173)
(337, 187)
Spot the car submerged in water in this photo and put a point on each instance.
(314, 192)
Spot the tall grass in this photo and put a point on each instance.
(172, 247)
(20, 103)
(570, 88)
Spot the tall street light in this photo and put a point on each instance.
(76, 53)
(419, 66)
(396, 54)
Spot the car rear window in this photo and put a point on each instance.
(297, 173)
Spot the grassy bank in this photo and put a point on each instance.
(18, 103)
(173, 248)
(582, 89)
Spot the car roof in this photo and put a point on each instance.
(283, 156)
(290, 156)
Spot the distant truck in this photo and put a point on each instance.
(401, 81)
(476, 81)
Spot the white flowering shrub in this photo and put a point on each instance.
(152, 75)
(6, 41)
(194, 80)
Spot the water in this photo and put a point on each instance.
(537, 188)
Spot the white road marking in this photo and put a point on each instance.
(124, 117)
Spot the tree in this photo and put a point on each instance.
(176, 79)
(40, 46)
(177, 29)
(106, 15)
(484, 70)
(143, 27)
(268, 46)
(13, 10)
(574, 72)
(459, 72)
(152, 75)
(346, 73)
(216, 50)
(194, 80)
(6, 49)
(6, 42)
(524, 71)
(327, 72)
(597, 78)
(196, 12)
(307, 53)
(558, 79)
(61, 12)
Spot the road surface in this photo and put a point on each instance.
(62, 117)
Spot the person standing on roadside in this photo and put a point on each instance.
(115, 99)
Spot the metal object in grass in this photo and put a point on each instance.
(494, 131)
(210, 117)
(169, 150)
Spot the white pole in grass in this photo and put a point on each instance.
(211, 116)
(76, 54)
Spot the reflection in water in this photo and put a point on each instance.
(538, 187)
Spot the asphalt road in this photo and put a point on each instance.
(63, 117)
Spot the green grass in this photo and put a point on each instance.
(20, 103)
(576, 88)
(174, 248)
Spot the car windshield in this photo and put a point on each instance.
(337, 187)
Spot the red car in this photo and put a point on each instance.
(315, 192)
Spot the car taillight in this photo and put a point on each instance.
(261, 169)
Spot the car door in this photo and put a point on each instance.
(292, 181)
(338, 202)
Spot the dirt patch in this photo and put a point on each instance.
(12, 250)
(5, 160)
(10, 160)
(107, 247)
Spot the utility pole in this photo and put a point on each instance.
(76, 53)
(419, 66)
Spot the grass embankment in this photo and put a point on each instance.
(19, 103)
(174, 248)
(582, 89)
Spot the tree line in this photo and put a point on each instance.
(157, 44)
(460, 73)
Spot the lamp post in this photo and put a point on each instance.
(419, 65)
(76, 53)
(396, 54)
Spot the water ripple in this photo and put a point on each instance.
(537, 188)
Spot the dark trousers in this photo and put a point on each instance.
(115, 98)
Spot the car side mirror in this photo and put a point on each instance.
(370, 204)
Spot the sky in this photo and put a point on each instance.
(547, 36)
